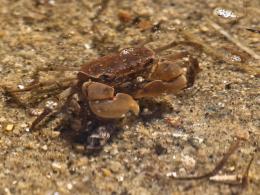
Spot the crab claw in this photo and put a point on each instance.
(115, 108)
(167, 71)
(97, 91)
(158, 87)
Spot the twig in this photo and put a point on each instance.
(234, 179)
(216, 54)
(234, 40)
(245, 175)
(217, 168)
(253, 30)
(102, 6)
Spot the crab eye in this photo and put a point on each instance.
(149, 61)
(105, 77)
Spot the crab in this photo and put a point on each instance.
(110, 86)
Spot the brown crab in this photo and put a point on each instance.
(110, 85)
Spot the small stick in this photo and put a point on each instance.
(234, 40)
(234, 179)
(176, 43)
(245, 175)
(216, 54)
(102, 6)
(14, 98)
(217, 168)
(253, 30)
(41, 84)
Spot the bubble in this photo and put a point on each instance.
(140, 79)
(126, 51)
(224, 13)
(171, 174)
(20, 86)
(51, 104)
(87, 46)
(236, 58)
(52, 2)
(69, 186)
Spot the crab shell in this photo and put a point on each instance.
(112, 83)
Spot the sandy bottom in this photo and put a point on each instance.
(174, 135)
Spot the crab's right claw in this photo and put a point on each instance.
(158, 87)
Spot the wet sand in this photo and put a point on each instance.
(178, 135)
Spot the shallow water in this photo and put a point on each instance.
(141, 158)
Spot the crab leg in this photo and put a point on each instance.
(99, 138)
(176, 43)
(170, 76)
(52, 109)
(41, 84)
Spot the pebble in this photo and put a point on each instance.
(106, 172)
(82, 161)
(242, 134)
(55, 134)
(188, 162)
(9, 127)
(7, 191)
(87, 46)
(69, 186)
(56, 165)
(120, 178)
(24, 125)
(171, 174)
(20, 86)
(115, 166)
(146, 111)
(140, 79)
(45, 147)
(124, 16)
(2, 119)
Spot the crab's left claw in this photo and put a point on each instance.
(104, 104)
(115, 108)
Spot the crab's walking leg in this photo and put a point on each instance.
(104, 104)
(170, 75)
(51, 109)
(39, 118)
(42, 84)
(176, 43)
(99, 138)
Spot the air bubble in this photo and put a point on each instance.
(140, 79)
(51, 104)
(20, 86)
(171, 174)
(87, 46)
(236, 58)
(126, 51)
(224, 13)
